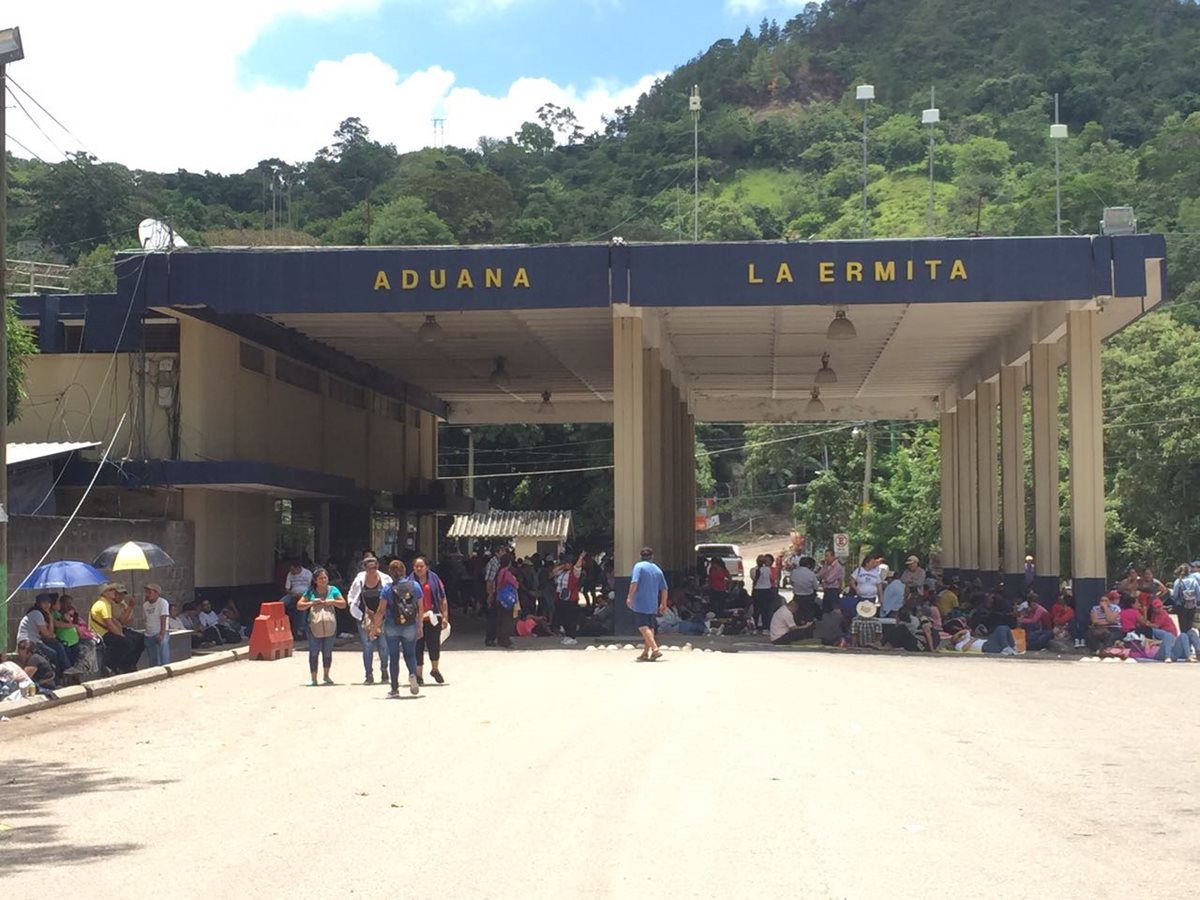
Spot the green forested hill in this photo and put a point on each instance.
(780, 147)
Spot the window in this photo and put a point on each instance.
(253, 358)
(345, 392)
(293, 373)
(161, 337)
(72, 337)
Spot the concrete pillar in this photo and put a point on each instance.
(1085, 412)
(1012, 476)
(688, 459)
(989, 494)
(947, 435)
(629, 451)
(967, 482)
(652, 446)
(1044, 416)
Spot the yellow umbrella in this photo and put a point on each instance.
(133, 555)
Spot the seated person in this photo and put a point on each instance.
(1062, 617)
(36, 666)
(230, 624)
(999, 641)
(784, 627)
(174, 621)
(913, 632)
(947, 600)
(600, 622)
(1104, 622)
(893, 596)
(669, 621)
(190, 619)
(109, 618)
(37, 627)
(865, 629)
(831, 629)
(209, 621)
(1035, 619)
(532, 626)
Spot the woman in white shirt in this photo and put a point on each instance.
(763, 590)
(363, 600)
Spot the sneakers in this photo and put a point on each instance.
(420, 681)
(371, 679)
(1009, 651)
(1078, 643)
(657, 654)
(392, 694)
(569, 642)
(327, 680)
(413, 687)
(437, 676)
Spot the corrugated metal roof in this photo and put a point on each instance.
(27, 452)
(546, 524)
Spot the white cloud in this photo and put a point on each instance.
(746, 7)
(156, 87)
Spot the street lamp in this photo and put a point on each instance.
(793, 488)
(865, 93)
(1058, 134)
(10, 51)
(931, 117)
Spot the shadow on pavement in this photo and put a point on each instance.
(29, 839)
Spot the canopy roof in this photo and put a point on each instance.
(554, 524)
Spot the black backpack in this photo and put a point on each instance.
(402, 606)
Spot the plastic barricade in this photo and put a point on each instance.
(271, 637)
(1019, 639)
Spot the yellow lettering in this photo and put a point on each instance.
(825, 272)
(381, 281)
(784, 274)
(854, 271)
(932, 265)
(409, 279)
(437, 279)
(958, 270)
(752, 275)
(885, 271)
(909, 270)
(464, 279)
(521, 279)
(493, 278)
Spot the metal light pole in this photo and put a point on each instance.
(865, 93)
(10, 51)
(931, 117)
(1058, 134)
(694, 106)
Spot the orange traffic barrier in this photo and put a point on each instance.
(272, 634)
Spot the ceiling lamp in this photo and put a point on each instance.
(430, 332)
(500, 377)
(815, 406)
(826, 375)
(546, 407)
(841, 328)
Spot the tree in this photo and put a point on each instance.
(20, 348)
(81, 204)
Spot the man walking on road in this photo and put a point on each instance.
(648, 600)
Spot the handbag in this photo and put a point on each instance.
(322, 622)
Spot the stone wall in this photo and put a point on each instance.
(28, 537)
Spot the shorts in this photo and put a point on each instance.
(645, 620)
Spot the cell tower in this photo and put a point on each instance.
(439, 132)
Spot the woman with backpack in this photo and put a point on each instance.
(507, 605)
(435, 618)
(567, 583)
(398, 617)
(320, 602)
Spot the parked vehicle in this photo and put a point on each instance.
(730, 554)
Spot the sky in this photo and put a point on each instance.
(218, 86)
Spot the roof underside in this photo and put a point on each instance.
(550, 525)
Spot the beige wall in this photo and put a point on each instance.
(63, 388)
(235, 536)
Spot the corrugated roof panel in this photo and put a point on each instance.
(546, 524)
(27, 452)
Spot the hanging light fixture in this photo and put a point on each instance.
(546, 407)
(814, 405)
(430, 331)
(826, 375)
(500, 377)
(841, 328)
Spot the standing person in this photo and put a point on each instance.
(804, 588)
(109, 618)
(435, 618)
(364, 600)
(37, 627)
(296, 585)
(648, 600)
(398, 617)
(507, 596)
(865, 580)
(1030, 573)
(319, 602)
(913, 576)
(762, 589)
(831, 574)
(567, 579)
(489, 587)
(158, 632)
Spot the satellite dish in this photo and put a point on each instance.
(156, 235)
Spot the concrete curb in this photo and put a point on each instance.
(100, 686)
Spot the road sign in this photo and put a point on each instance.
(841, 545)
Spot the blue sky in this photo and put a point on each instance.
(568, 42)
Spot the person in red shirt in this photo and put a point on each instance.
(718, 584)
(1062, 619)
(1161, 619)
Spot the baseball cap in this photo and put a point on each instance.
(1114, 595)
(911, 559)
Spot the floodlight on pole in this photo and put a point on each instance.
(1058, 134)
(694, 108)
(864, 93)
(11, 51)
(931, 117)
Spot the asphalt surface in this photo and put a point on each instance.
(585, 774)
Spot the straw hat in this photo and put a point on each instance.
(865, 609)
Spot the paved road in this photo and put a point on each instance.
(583, 774)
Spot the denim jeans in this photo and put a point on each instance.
(1000, 638)
(298, 618)
(1173, 647)
(158, 650)
(401, 637)
(322, 647)
(370, 648)
(55, 653)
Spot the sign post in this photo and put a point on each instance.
(841, 545)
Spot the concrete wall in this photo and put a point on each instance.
(235, 536)
(29, 536)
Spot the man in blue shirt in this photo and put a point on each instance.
(648, 600)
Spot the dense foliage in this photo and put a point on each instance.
(780, 143)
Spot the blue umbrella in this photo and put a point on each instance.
(67, 573)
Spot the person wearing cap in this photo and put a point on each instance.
(648, 600)
(158, 631)
(363, 600)
(913, 575)
(109, 618)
